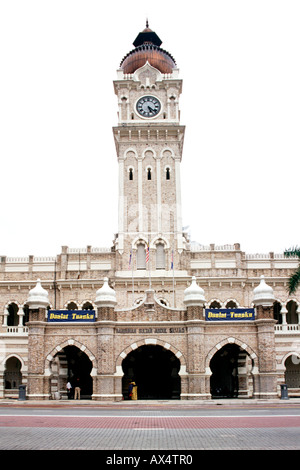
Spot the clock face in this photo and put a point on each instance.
(148, 106)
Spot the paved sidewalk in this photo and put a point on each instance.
(136, 425)
(152, 403)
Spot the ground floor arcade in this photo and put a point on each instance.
(158, 370)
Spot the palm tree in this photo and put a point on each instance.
(294, 280)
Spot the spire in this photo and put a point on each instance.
(147, 36)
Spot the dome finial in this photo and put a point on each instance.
(38, 297)
(105, 296)
(194, 295)
(147, 23)
(263, 294)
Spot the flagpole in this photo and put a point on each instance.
(131, 263)
(132, 282)
(172, 265)
(148, 261)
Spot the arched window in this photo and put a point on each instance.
(168, 173)
(160, 256)
(231, 304)
(72, 306)
(26, 314)
(277, 312)
(13, 318)
(291, 317)
(12, 373)
(130, 174)
(149, 173)
(87, 306)
(141, 256)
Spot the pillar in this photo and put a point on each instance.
(194, 301)
(38, 384)
(265, 380)
(107, 384)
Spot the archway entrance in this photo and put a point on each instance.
(292, 375)
(231, 373)
(12, 377)
(155, 371)
(72, 364)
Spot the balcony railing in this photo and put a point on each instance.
(287, 327)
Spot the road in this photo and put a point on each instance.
(157, 427)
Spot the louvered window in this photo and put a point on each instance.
(141, 256)
(160, 256)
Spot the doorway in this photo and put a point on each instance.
(72, 364)
(225, 381)
(155, 371)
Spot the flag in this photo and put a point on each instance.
(130, 258)
(147, 253)
(172, 261)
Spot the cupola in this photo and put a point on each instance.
(38, 297)
(147, 49)
(105, 296)
(194, 295)
(263, 294)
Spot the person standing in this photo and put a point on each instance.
(69, 390)
(77, 390)
(132, 391)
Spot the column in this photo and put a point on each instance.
(197, 378)
(37, 382)
(284, 312)
(107, 384)
(21, 316)
(265, 381)
(140, 194)
(178, 227)
(121, 206)
(194, 301)
(158, 190)
(5, 315)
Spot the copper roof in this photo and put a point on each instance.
(147, 48)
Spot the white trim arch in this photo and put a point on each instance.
(149, 149)
(155, 342)
(130, 149)
(287, 355)
(5, 359)
(169, 149)
(140, 239)
(59, 347)
(209, 302)
(231, 300)
(71, 302)
(231, 340)
(87, 301)
(159, 239)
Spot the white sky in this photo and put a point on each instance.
(239, 61)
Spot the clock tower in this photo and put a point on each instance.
(149, 142)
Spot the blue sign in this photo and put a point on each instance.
(229, 314)
(71, 315)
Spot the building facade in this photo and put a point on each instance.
(183, 320)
